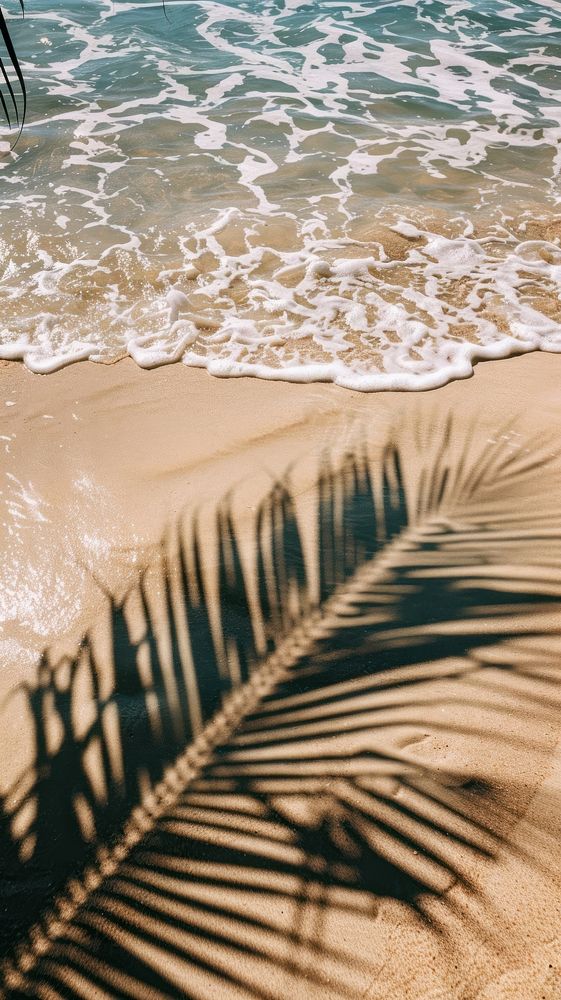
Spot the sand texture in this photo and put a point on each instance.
(280, 693)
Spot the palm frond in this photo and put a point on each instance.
(13, 104)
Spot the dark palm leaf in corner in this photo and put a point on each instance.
(13, 101)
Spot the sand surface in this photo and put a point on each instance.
(101, 465)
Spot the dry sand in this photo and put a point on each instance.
(99, 461)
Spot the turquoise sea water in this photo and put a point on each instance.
(365, 192)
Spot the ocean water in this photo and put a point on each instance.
(361, 192)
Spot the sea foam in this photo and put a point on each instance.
(355, 192)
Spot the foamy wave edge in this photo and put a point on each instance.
(336, 373)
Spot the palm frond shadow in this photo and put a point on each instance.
(404, 629)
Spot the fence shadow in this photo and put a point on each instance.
(318, 800)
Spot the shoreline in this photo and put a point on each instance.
(324, 373)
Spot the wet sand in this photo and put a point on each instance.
(115, 452)
(412, 855)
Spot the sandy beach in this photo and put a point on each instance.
(280, 586)
(374, 810)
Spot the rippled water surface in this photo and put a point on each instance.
(365, 192)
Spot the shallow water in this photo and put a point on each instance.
(363, 192)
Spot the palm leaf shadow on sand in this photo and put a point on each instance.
(317, 802)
